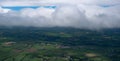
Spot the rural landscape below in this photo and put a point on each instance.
(59, 30)
(58, 44)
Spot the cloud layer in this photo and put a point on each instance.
(86, 14)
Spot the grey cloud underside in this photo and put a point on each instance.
(78, 16)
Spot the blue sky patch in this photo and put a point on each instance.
(33, 7)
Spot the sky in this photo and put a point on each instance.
(84, 14)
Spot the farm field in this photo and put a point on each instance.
(59, 44)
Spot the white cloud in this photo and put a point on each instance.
(4, 10)
(57, 2)
(29, 12)
(69, 13)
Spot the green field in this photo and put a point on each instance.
(59, 44)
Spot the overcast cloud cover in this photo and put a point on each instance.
(86, 14)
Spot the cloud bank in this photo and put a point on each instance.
(86, 14)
